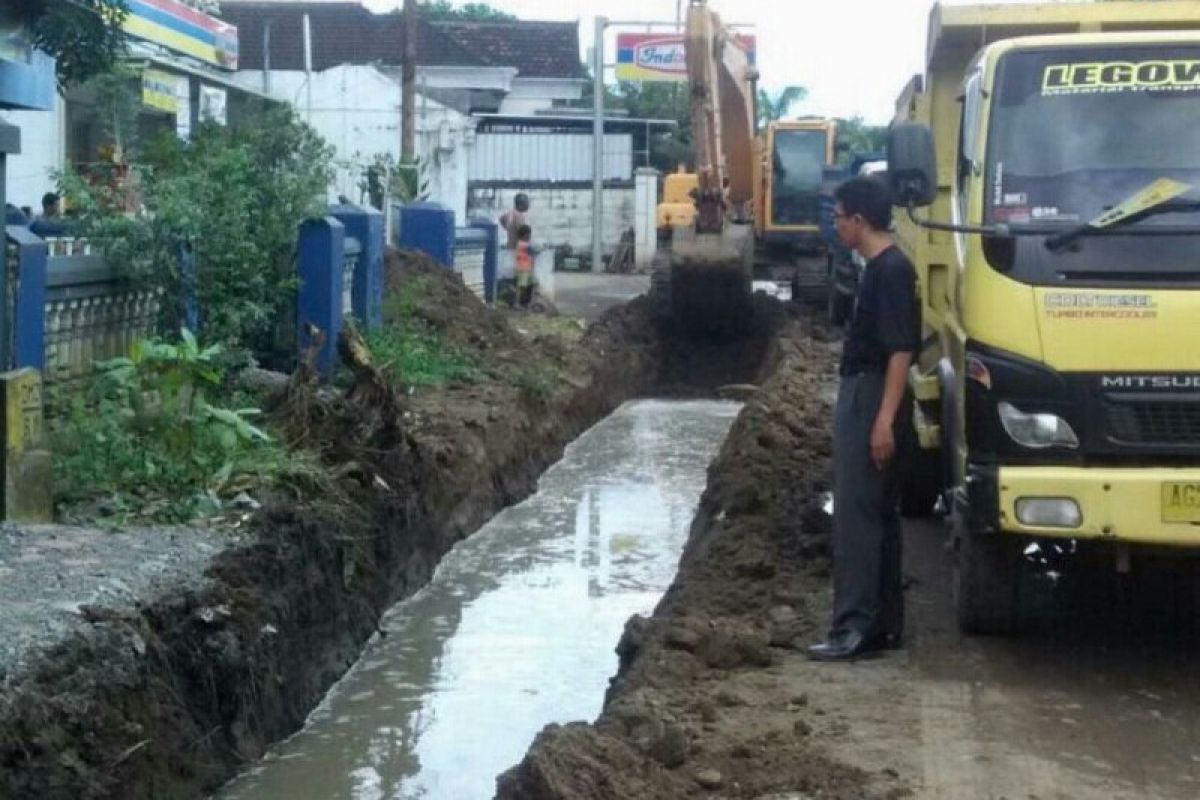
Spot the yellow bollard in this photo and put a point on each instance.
(28, 478)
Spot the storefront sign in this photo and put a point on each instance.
(159, 91)
(659, 58)
(184, 30)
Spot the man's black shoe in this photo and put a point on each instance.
(850, 646)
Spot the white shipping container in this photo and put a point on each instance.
(548, 157)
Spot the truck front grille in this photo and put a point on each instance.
(1155, 423)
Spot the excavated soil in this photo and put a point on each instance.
(702, 704)
(168, 693)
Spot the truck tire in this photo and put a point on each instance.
(986, 582)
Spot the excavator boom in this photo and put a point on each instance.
(722, 82)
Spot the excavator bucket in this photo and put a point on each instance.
(711, 282)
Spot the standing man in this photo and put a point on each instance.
(873, 414)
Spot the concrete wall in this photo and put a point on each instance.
(357, 110)
(560, 215)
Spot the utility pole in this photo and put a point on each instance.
(598, 146)
(408, 97)
(267, 58)
(307, 32)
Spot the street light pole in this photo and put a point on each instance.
(598, 145)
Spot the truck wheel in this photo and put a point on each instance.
(921, 485)
(986, 580)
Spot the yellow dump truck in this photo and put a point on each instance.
(1049, 160)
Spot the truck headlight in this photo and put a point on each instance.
(1049, 512)
(1037, 431)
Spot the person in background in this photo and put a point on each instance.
(525, 255)
(50, 206)
(517, 216)
(14, 215)
(50, 222)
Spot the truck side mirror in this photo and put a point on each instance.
(912, 164)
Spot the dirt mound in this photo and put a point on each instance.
(446, 304)
(701, 702)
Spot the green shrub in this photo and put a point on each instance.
(235, 196)
(148, 441)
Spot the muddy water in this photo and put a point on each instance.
(518, 626)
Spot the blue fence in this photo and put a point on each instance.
(64, 307)
(472, 251)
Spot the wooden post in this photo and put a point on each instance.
(28, 475)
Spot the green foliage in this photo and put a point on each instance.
(773, 108)
(118, 94)
(148, 439)
(83, 36)
(406, 181)
(444, 9)
(856, 136)
(235, 197)
(535, 380)
(669, 148)
(413, 353)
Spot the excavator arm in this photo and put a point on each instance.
(724, 125)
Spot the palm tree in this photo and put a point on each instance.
(773, 109)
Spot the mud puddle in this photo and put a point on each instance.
(518, 626)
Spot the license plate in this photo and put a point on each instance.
(1181, 502)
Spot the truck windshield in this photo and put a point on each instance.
(1076, 131)
(798, 162)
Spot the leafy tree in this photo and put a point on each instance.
(856, 136)
(234, 197)
(84, 36)
(445, 9)
(773, 108)
(668, 149)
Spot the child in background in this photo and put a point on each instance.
(525, 254)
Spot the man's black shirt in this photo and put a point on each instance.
(887, 314)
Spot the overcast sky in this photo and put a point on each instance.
(854, 56)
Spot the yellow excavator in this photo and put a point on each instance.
(749, 187)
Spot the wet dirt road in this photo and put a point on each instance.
(518, 626)
(1098, 698)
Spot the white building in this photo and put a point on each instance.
(353, 94)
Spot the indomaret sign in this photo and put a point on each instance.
(658, 57)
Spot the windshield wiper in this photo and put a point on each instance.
(1161, 197)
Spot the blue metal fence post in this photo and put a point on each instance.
(321, 249)
(29, 314)
(366, 225)
(428, 228)
(490, 256)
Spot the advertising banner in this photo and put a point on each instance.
(659, 57)
(177, 27)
